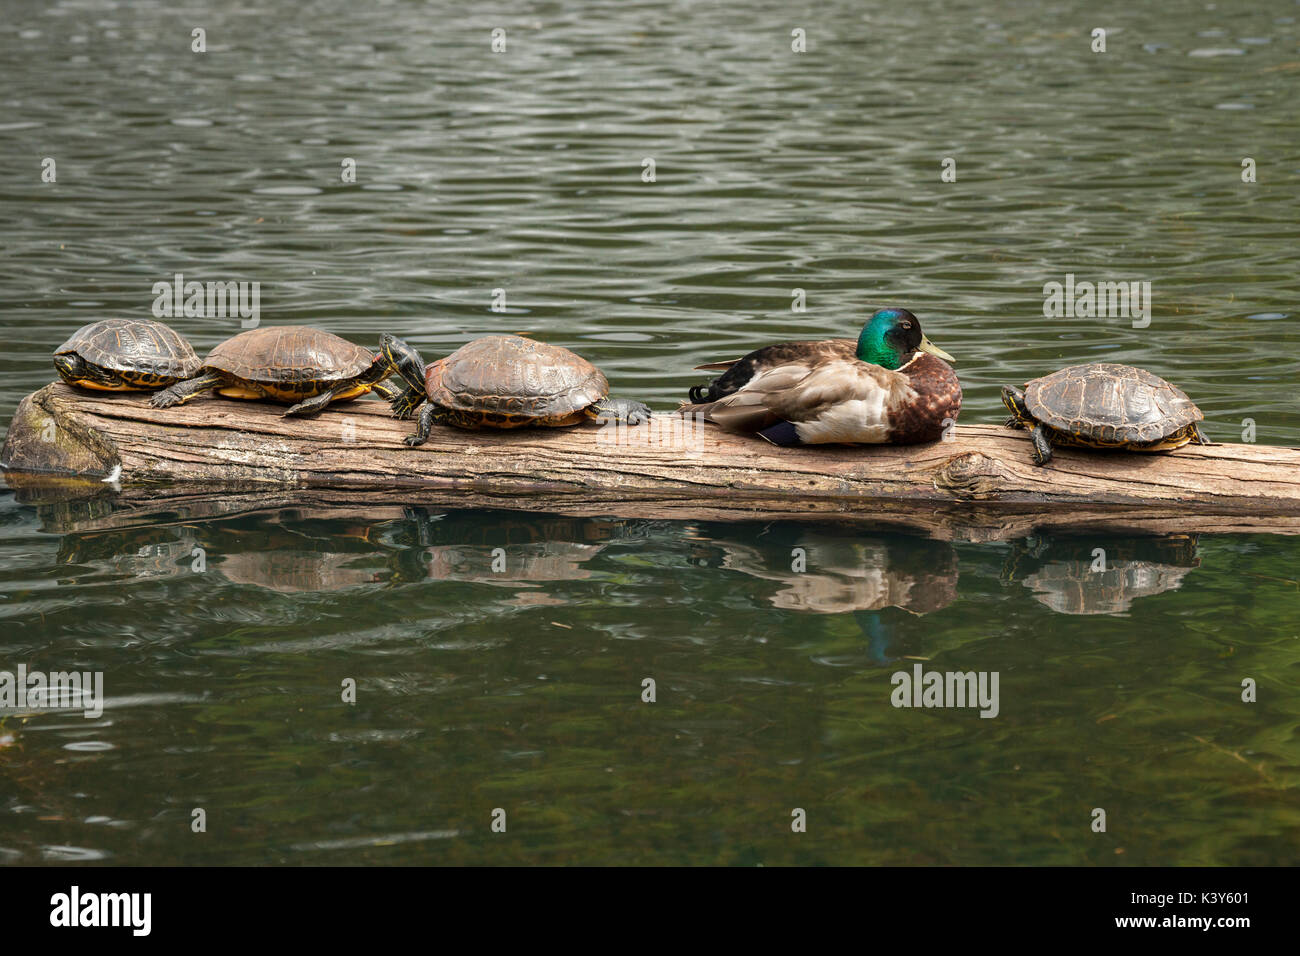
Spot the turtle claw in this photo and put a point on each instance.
(301, 410)
(623, 411)
(403, 407)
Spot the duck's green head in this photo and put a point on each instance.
(892, 336)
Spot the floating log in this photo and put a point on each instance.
(217, 457)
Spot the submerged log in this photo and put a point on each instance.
(217, 457)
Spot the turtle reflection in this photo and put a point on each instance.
(289, 571)
(422, 545)
(503, 551)
(146, 553)
(1099, 575)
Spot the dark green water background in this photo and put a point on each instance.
(521, 690)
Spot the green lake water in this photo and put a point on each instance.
(521, 689)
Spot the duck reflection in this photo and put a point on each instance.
(827, 573)
(1099, 576)
(883, 581)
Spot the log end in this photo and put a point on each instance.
(46, 438)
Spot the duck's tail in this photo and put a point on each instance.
(710, 392)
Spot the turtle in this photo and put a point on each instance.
(125, 355)
(1103, 405)
(502, 381)
(289, 364)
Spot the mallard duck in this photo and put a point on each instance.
(890, 387)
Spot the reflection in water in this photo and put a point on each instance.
(145, 553)
(509, 551)
(545, 561)
(290, 571)
(291, 551)
(826, 573)
(1100, 577)
(772, 644)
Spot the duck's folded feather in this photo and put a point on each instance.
(838, 400)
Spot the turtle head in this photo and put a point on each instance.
(892, 337)
(69, 367)
(402, 359)
(1014, 399)
(75, 370)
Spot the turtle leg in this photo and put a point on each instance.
(1198, 435)
(431, 414)
(405, 400)
(621, 410)
(422, 427)
(317, 403)
(1013, 422)
(1042, 452)
(1011, 566)
(387, 392)
(182, 392)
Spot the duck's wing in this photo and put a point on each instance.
(858, 393)
(737, 373)
(746, 410)
(785, 353)
(870, 390)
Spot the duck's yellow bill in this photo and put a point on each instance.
(928, 346)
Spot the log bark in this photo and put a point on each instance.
(217, 457)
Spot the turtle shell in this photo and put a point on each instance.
(288, 355)
(133, 345)
(515, 378)
(1110, 403)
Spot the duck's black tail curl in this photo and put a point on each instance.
(701, 393)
